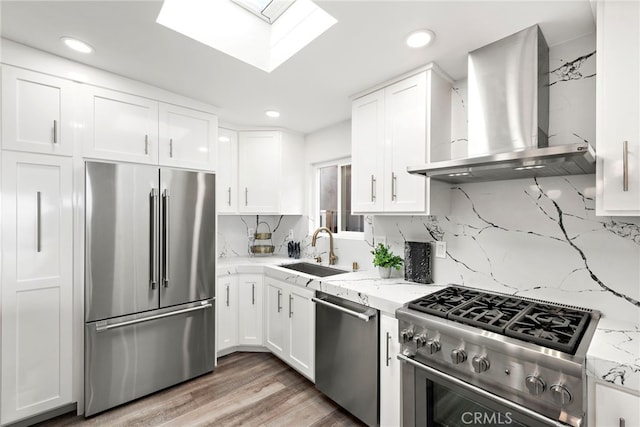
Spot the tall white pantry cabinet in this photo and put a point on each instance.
(50, 126)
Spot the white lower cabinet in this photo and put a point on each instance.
(613, 407)
(290, 325)
(389, 372)
(227, 308)
(37, 284)
(250, 323)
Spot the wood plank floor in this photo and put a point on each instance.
(251, 389)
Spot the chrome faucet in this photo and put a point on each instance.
(332, 257)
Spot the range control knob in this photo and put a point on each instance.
(535, 385)
(480, 364)
(458, 356)
(406, 335)
(560, 394)
(433, 346)
(420, 340)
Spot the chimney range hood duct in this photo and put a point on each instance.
(508, 116)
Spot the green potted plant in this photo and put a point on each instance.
(385, 260)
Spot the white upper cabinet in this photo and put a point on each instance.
(259, 166)
(227, 171)
(367, 133)
(37, 285)
(187, 138)
(393, 128)
(618, 108)
(37, 112)
(270, 173)
(120, 126)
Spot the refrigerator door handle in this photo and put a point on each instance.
(153, 237)
(103, 328)
(165, 242)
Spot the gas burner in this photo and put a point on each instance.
(489, 311)
(559, 328)
(442, 302)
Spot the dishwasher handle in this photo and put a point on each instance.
(366, 316)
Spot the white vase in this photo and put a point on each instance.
(384, 272)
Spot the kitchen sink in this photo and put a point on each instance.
(313, 269)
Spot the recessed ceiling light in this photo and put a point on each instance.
(77, 45)
(224, 139)
(420, 38)
(272, 113)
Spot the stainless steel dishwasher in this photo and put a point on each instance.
(347, 355)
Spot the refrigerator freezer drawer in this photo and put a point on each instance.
(132, 356)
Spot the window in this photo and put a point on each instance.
(334, 199)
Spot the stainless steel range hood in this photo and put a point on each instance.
(508, 118)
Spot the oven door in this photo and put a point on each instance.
(434, 399)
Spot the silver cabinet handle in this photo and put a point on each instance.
(279, 306)
(165, 240)
(625, 166)
(366, 316)
(170, 147)
(393, 186)
(55, 131)
(388, 339)
(229, 196)
(146, 144)
(246, 196)
(253, 294)
(373, 188)
(623, 423)
(227, 295)
(146, 319)
(38, 221)
(290, 306)
(153, 196)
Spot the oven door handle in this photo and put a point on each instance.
(464, 384)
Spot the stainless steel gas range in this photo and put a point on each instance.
(474, 358)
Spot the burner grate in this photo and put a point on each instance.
(442, 302)
(489, 311)
(556, 327)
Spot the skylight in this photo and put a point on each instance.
(268, 10)
(265, 44)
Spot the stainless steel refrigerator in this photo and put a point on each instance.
(149, 280)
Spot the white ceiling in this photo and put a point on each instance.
(312, 89)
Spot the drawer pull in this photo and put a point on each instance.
(625, 166)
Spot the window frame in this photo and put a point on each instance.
(315, 213)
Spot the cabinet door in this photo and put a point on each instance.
(187, 138)
(37, 298)
(227, 171)
(406, 140)
(37, 112)
(367, 149)
(120, 126)
(250, 323)
(259, 172)
(389, 372)
(618, 108)
(615, 407)
(301, 316)
(227, 309)
(275, 317)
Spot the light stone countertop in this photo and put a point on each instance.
(364, 287)
(613, 356)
